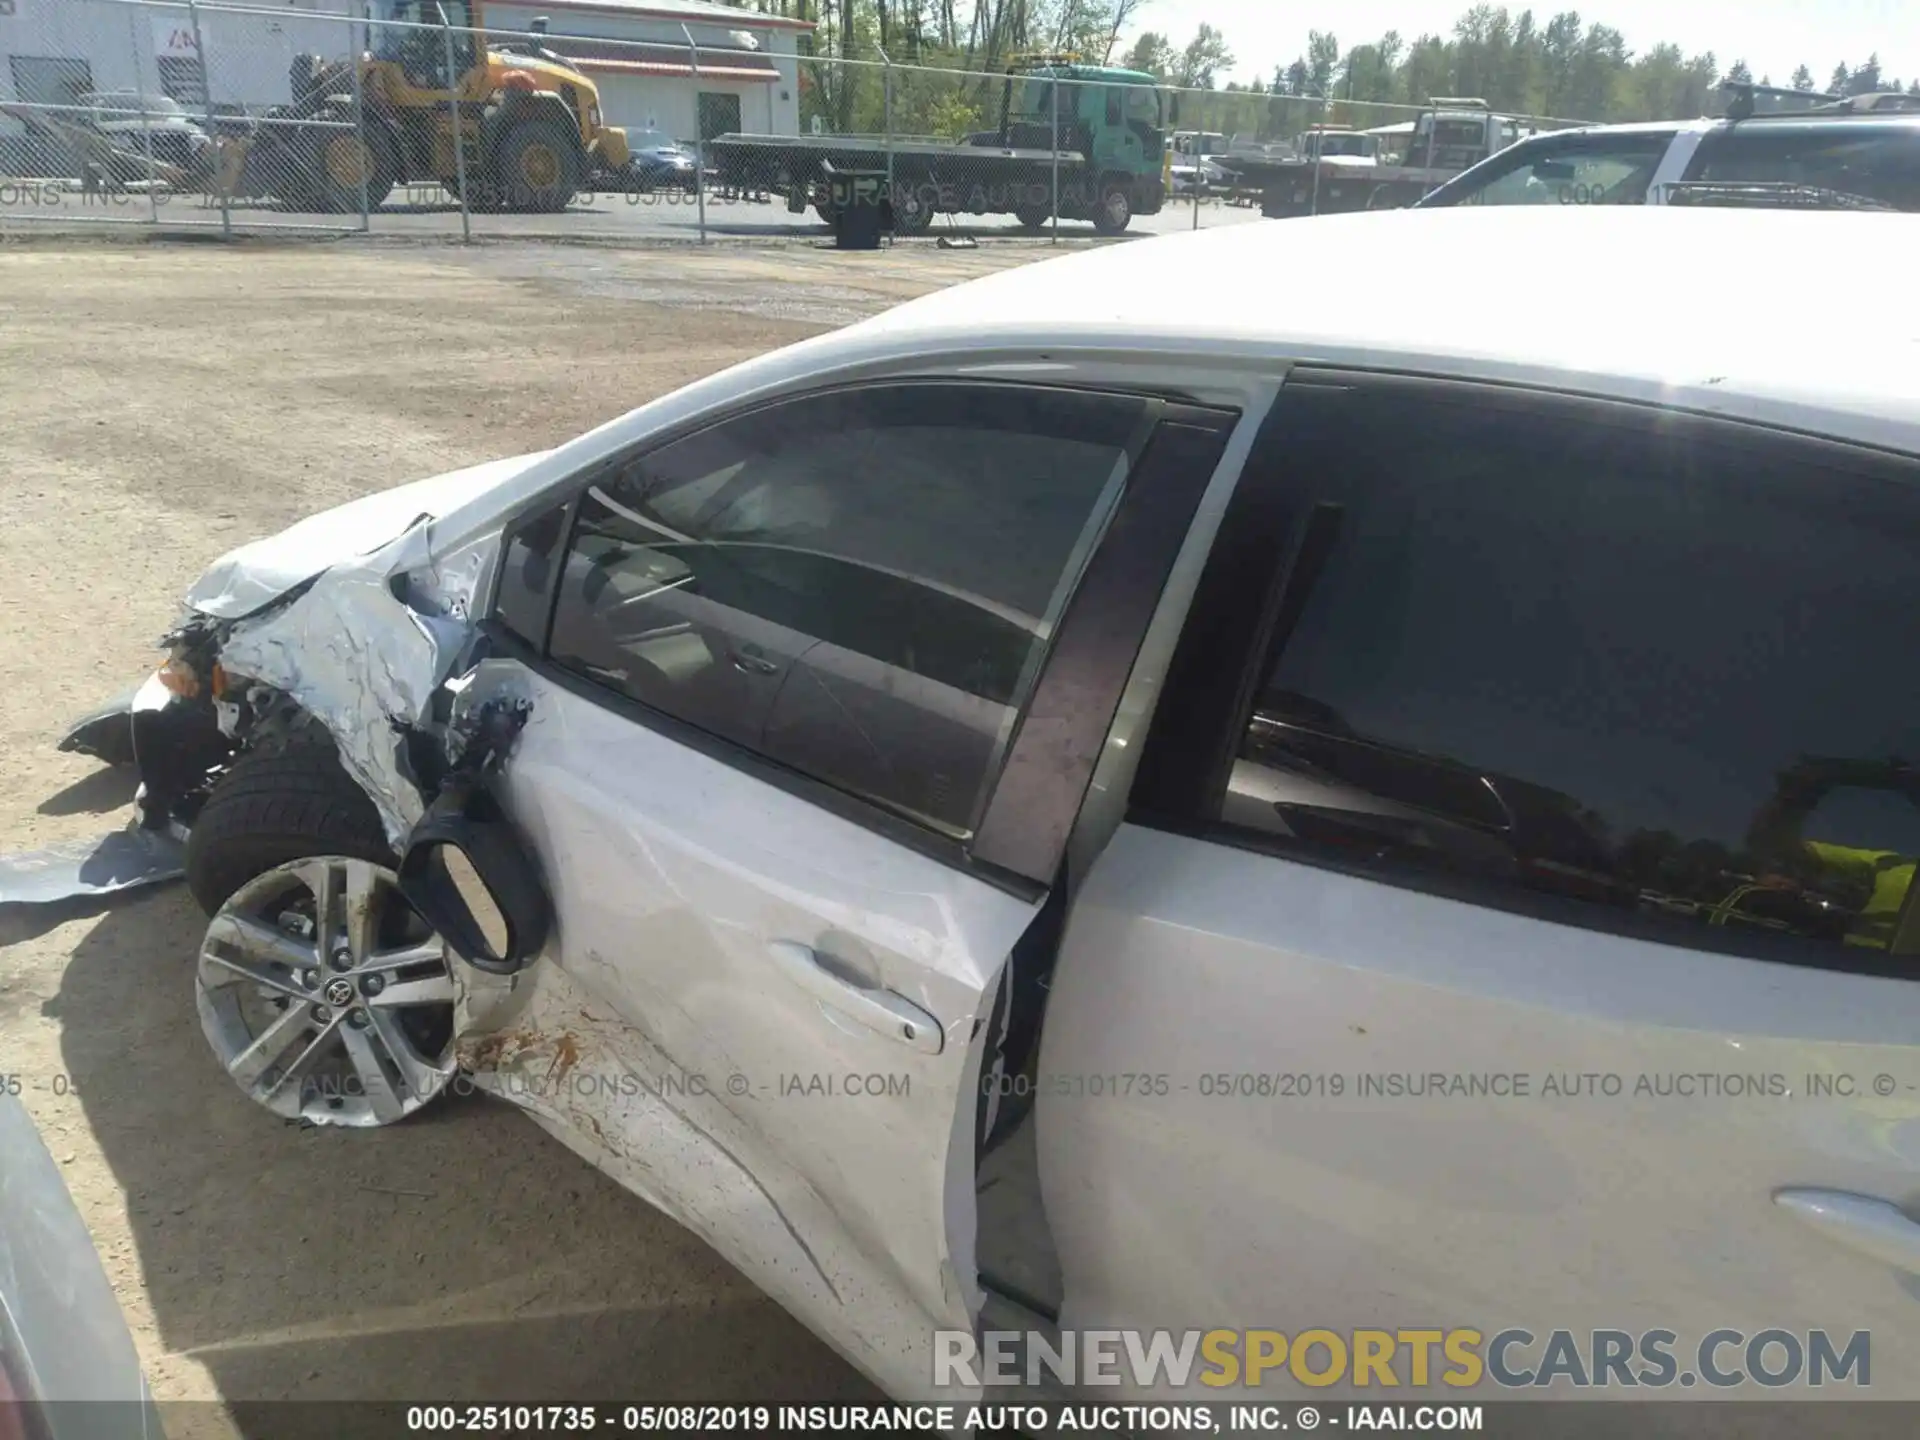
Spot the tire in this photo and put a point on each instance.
(337, 165)
(536, 168)
(275, 806)
(1114, 213)
(914, 202)
(1034, 220)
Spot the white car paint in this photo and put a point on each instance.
(674, 874)
(68, 1366)
(1187, 957)
(1673, 165)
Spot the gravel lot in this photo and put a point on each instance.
(164, 402)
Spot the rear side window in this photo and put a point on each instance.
(1883, 165)
(1595, 170)
(860, 585)
(1663, 675)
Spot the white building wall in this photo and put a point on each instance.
(667, 102)
(121, 46)
(248, 56)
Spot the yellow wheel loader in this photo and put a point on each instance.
(531, 133)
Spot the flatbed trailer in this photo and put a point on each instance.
(1107, 171)
(929, 178)
(1449, 136)
(1290, 187)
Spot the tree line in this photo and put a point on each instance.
(1563, 67)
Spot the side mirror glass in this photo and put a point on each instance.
(470, 878)
(1552, 170)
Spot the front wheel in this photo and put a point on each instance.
(343, 162)
(1114, 213)
(536, 167)
(1034, 218)
(322, 993)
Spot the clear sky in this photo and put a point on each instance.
(1772, 36)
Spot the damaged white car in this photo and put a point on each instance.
(1384, 690)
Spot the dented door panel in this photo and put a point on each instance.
(671, 1040)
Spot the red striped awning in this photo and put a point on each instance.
(656, 67)
(615, 57)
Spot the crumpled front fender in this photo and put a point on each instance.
(365, 663)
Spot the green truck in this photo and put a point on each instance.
(1101, 138)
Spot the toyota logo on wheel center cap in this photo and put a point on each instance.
(339, 992)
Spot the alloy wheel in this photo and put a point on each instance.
(326, 997)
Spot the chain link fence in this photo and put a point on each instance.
(171, 112)
(438, 118)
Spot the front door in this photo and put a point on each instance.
(1511, 953)
(823, 689)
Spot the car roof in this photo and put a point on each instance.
(1631, 127)
(1798, 122)
(1720, 310)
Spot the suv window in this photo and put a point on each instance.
(1662, 675)
(1592, 170)
(858, 585)
(1883, 164)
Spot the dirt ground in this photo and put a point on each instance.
(163, 403)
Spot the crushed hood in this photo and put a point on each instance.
(255, 575)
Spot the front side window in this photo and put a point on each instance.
(1591, 172)
(1882, 167)
(1143, 104)
(420, 51)
(1359, 146)
(1665, 677)
(1036, 99)
(859, 585)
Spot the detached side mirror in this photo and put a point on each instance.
(470, 878)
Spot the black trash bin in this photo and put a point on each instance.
(862, 210)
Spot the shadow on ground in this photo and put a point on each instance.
(463, 1255)
(109, 788)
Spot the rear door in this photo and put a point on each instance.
(1875, 161)
(1514, 926)
(823, 689)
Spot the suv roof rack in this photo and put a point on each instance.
(1744, 93)
(1876, 102)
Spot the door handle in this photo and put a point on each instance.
(879, 1010)
(1859, 1222)
(750, 661)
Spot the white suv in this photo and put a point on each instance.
(1835, 158)
(1086, 801)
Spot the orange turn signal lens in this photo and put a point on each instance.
(179, 679)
